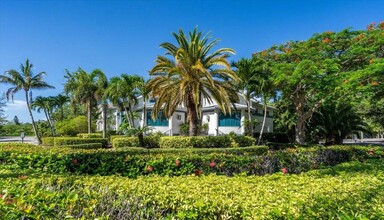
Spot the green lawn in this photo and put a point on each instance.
(351, 190)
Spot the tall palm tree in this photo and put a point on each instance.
(123, 91)
(247, 73)
(192, 72)
(60, 100)
(45, 104)
(84, 88)
(26, 81)
(264, 87)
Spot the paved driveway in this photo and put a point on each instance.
(27, 139)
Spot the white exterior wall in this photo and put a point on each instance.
(177, 119)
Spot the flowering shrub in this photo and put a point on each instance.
(348, 191)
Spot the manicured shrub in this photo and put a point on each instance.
(84, 146)
(251, 161)
(112, 137)
(119, 142)
(60, 141)
(242, 141)
(175, 142)
(72, 127)
(48, 141)
(347, 191)
(90, 135)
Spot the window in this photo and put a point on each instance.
(160, 121)
(230, 120)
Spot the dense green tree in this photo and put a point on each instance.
(311, 72)
(190, 73)
(247, 71)
(85, 88)
(123, 91)
(60, 101)
(334, 121)
(46, 104)
(25, 81)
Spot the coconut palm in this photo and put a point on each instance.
(247, 72)
(85, 88)
(60, 101)
(123, 91)
(45, 104)
(25, 80)
(191, 73)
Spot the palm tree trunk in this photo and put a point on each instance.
(264, 119)
(61, 113)
(193, 119)
(104, 119)
(250, 127)
(131, 116)
(49, 121)
(33, 121)
(89, 116)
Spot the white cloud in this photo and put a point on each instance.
(19, 108)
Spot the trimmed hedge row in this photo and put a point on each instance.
(90, 135)
(48, 141)
(84, 146)
(131, 164)
(356, 192)
(184, 142)
(60, 141)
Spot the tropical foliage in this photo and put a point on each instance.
(25, 81)
(190, 73)
(86, 88)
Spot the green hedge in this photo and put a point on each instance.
(119, 142)
(84, 146)
(48, 141)
(206, 141)
(133, 164)
(90, 135)
(73, 141)
(348, 191)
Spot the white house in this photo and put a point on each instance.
(218, 123)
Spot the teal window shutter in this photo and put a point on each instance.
(230, 120)
(160, 121)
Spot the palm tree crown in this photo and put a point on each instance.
(192, 72)
(86, 89)
(26, 81)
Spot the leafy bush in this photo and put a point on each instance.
(48, 141)
(90, 135)
(206, 141)
(125, 142)
(223, 162)
(74, 126)
(60, 141)
(84, 146)
(348, 191)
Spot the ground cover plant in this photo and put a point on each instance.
(347, 191)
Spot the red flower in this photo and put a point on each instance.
(23, 177)
(326, 40)
(284, 170)
(212, 164)
(198, 172)
(374, 83)
(9, 202)
(371, 152)
(75, 161)
(178, 163)
(149, 168)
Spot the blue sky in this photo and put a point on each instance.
(124, 36)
